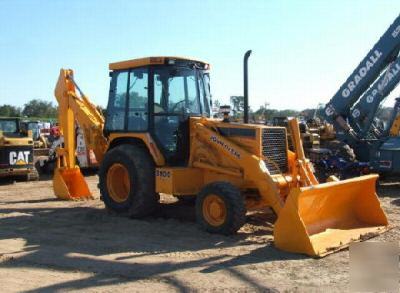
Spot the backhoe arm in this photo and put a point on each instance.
(68, 182)
(74, 108)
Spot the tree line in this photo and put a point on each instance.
(34, 108)
(264, 113)
(38, 108)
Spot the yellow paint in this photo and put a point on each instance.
(395, 129)
(8, 143)
(140, 62)
(318, 220)
(72, 107)
(69, 184)
(214, 210)
(118, 183)
(148, 141)
(179, 180)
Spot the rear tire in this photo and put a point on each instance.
(220, 208)
(127, 182)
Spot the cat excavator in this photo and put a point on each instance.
(158, 137)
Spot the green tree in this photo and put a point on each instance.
(39, 108)
(265, 113)
(10, 111)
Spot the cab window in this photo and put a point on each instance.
(175, 91)
(128, 101)
(117, 101)
(138, 100)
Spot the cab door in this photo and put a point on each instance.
(176, 98)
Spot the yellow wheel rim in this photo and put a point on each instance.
(118, 183)
(214, 210)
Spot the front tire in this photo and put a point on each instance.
(220, 208)
(127, 181)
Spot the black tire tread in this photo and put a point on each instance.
(236, 210)
(143, 199)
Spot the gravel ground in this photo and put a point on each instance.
(51, 245)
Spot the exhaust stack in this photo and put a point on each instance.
(246, 86)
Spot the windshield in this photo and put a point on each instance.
(175, 91)
(9, 126)
(178, 90)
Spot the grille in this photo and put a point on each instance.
(274, 149)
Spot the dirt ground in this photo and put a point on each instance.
(52, 245)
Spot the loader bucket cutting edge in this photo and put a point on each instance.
(322, 219)
(69, 184)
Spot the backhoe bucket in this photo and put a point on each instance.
(69, 184)
(320, 219)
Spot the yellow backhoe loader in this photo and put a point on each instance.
(158, 137)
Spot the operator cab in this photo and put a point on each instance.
(157, 95)
(10, 127)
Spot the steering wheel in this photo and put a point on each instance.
(176, 105)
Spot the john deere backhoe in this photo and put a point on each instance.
(157, 138)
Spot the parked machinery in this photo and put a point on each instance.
(16, 150)
(353, 108)
(158, 137)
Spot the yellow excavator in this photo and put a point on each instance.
(158, 137)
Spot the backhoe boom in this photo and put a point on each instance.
(75, 109)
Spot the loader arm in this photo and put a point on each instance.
(312, 218)
(68, 181)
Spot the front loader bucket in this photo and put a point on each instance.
(69, 184)
(320, 219)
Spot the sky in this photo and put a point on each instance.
(302, 50)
